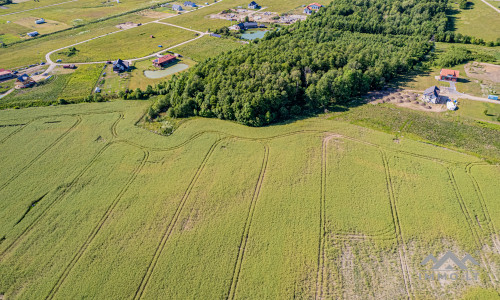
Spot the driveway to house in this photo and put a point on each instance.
(6, 93)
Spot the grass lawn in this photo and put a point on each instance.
(139, 80)
(114, 82)
(206, 47)
(128, 44)
(245, 215)
(475, 109)
(480, 21)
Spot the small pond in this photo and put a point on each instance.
(253, 35)
(168, 71)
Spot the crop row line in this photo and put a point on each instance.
(246, 229)
(97, 228)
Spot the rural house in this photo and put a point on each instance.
(177, 7)
(312, 7)
(5, 74)
(449, 75)
(253, 5)
(24, 81)
(120, 66)
(189, 4)
(32, 34)
(432, 95)
(164, 60)
(246, 25)
(40, 21)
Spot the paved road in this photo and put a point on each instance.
(18, 12)
(491, 5)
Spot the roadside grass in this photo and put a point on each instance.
(133, 43)
(6, 85)
(33, 51)
(82, 82)
(206, 47)
(480, 21)
(47, 91)
(110, 192)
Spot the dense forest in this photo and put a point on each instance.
(342, 51)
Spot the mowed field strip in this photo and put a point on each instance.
(101, 208)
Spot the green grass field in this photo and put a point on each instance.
(206, 47)
(480, 21)
(82, 82)
(133, 43)
(316, 207)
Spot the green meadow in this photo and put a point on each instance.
(96, 206)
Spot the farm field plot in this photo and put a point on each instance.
(97, 207)
(33, 51)
(129, 44)
(206, 47)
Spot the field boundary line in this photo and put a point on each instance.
(98, 227)
(248, 223)
(166, 234)
(57, 199)
(37, 157)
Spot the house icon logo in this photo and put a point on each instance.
(450, 267)
(449, 262)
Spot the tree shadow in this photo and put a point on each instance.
(452, 13)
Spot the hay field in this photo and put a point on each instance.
(97, 207)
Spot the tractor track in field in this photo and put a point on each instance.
(322, 220)
(55, 201)
(98, 227)
(398, 231)
(21, 127)
(27, 166)
(246, 229)
(115, 123)
(491, 226)
(470, 223)
(166, 234)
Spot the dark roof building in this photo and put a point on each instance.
(120, 66)
(253, 5)
(177, 7)
(432, 94)
(190, 4)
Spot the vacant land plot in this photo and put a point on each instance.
(206, 47)
(314, 208)
(133, 43)
(82, 82)
(480, 21)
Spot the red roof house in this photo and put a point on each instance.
(164, 60)
(4, 74)
(449, 75)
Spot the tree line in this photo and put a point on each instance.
(344, 50)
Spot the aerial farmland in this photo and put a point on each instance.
(249, 150)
